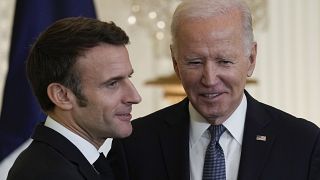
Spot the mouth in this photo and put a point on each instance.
(211, 95)
(124, 116)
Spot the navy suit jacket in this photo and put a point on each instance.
(51, 156)
(158, 148)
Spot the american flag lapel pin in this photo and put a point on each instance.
(261, 138)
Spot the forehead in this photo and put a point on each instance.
(197, 34)
(218, 25)
(219, 33)
(105, 59)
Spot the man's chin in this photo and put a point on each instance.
(124, 133)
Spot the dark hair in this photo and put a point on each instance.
(57, 49)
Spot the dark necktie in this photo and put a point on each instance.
(214, 167)
(103, 168)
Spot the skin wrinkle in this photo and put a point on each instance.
(209, 56)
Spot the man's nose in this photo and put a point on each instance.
(133, 97)
(209, 74)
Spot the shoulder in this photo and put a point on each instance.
(44, 163)
(286, 121)
(165, 115)
(149, 127)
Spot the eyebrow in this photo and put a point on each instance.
(116, 78)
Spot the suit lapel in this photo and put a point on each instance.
(66, 148)
(174, 139)
(258, 138)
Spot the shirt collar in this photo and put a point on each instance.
(86, 148)
(234, 124)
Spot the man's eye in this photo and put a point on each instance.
(113, 84)
(194, 61)
(225, 61)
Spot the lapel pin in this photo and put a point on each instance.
(261, 138)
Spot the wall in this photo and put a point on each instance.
(289, 58)
(6, 18)
(287, 64)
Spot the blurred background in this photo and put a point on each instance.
(287, 73)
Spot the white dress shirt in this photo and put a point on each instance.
(87, 149)
(230, 141)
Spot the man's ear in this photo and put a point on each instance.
(60, 96)
(252, 59)
(174, 61)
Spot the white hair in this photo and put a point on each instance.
(203, 9)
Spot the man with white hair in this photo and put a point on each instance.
(219, 131)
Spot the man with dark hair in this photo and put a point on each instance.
(79, 70)
(219, 132)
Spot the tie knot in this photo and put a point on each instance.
(100, 163)
(216, 131)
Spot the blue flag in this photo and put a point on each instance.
(20, 109)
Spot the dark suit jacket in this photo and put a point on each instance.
(51, 156)
(158, 148)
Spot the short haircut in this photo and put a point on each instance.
(203, 9)
(53, 55)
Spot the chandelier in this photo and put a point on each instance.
(155, 16)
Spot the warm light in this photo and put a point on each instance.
(152, 15)
(132, 20)
(160, 35)
(161, 24)
(135, 8)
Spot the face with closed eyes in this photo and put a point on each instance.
(211, 60)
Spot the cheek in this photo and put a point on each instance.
(236, 79)
(112, 104)
(240, 73)
(109, 108)
(101, 106)
(190, 78)
(237, 83)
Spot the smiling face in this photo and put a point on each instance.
(104, 72)
(209, 57)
